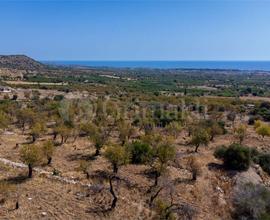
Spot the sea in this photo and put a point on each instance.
(232, 65)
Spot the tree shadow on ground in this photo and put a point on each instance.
(222, 168)
(215, 166)
(183, 181)
(104, 211)
(80, 156)
(17, 179)
(100, 175)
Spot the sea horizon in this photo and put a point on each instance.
(167, 64)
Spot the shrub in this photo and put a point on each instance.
(264, 161)
(140, 152)
(58, 98)
(194, 167)
(174, 128)
(252, 202)
(263, 130)
(235, 157)
(257, 124)
(220, 152)
(240, 132)
(253, 119)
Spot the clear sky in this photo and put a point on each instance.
(136, 30)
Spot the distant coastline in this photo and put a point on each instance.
(231, 65)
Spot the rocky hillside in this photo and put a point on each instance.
(20, 62)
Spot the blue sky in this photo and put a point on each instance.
(136, 30)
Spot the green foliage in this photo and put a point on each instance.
(199, 137)
(257, 124)
(163, 153)
(235, 157)
(140, 152)
(213, 129)
(37, 129)
(48, 150)
(263, 130)
(163, 211)
(26, 116)
(240, 132)
(174, 128)
(64, 130)
(58, 98)
(117, 155)
(99, 136)
(220, 152)
(30, 154)
(264, 161)
(263, 111)
(125, 131)
(252, 119)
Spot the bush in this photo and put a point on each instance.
(58, 98)
(252, 119)
(264, 161)
(240, 132)
(140, 152)
(252, 202)
(263, 130)
(235, 157)
(220, 152)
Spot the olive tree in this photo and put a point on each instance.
(214, 129)
(163, 154)
(174, 128)
(25, 117)
(200, 137)
(125, 131)
(117, 156)
(48, 150)
(99, 136)
(30, 154)
(37, 130)
(64, 131)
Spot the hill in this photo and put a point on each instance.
(20, 62)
